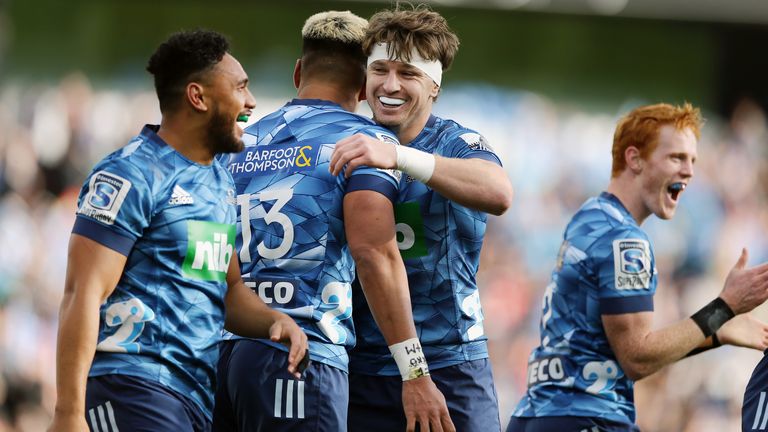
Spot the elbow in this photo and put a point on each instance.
(365, 255)
(636, 370)
(502, 200)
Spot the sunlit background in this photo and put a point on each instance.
(543, 80)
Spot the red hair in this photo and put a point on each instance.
(640, 129)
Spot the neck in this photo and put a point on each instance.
(345, 98)
(187, 137)
(630, 196)
(409, 131)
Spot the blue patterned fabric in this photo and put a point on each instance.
(440, 243)
(290, 229)
(605, 266)
(174, 220)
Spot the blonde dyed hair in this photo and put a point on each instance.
(640, 128)
(340, 26)
(412, 28)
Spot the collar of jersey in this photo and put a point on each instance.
(149, 133)
(313, 102)
(428, 128)
(616, 202)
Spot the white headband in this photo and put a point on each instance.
(432, 68)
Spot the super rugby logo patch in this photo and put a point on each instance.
(106, 193)
(632, 264)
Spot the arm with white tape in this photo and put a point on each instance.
(471, 182)
(370, 228)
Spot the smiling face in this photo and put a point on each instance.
(400, 96)
(230, 98)
(666, 172)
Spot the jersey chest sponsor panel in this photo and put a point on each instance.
(440, 243)
(291, 237)
(174, 220)
(605, 266)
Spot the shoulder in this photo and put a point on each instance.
(599, 222)
(452, 133)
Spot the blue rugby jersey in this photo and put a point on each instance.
(440, 242)
(605, 266)
(290, 230)
(174, 220)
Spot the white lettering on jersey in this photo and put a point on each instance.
(545, 370)
(632, 264)
(105, 196)
(180, 197)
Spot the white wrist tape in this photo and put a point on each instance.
(410, 359)
(416, 163)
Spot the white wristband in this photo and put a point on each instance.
(410, 359)
(416, 163)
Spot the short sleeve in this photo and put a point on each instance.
(626, 272)
(468, 144)
(384, 181)
(114, 205)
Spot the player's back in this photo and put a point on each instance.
(573, 372)
(291, 238)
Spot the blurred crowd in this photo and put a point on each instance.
(557, 155)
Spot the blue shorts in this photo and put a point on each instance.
(376, 404)
(256, 392)
(125, 403)
(754, 412)
(567, 424)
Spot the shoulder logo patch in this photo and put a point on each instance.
(180, 197)
(475, 141)
(632, 264)
(106, 193)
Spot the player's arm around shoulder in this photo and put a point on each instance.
(470, 176)
(370, 228)
(93, 271)
(247, 315)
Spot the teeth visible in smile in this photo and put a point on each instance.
(391, 101)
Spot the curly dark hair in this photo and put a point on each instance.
(182, 58)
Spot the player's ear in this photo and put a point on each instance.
(297, 74)
(361, 96)
(634, 159)
(194, 95)
(435, 90)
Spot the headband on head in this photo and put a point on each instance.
(431, 68)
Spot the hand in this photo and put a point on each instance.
(424, 404)
(286, 331)
(360, 149)
(745, 331)
(68, 423)
(745, 288)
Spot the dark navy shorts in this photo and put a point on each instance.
(124, 403)
(256, 392)
(375, 402)
(754, 412)
(567, 424)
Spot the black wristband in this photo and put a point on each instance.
(712, 316)
(715, 340)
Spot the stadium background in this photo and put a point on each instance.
(543, 80)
